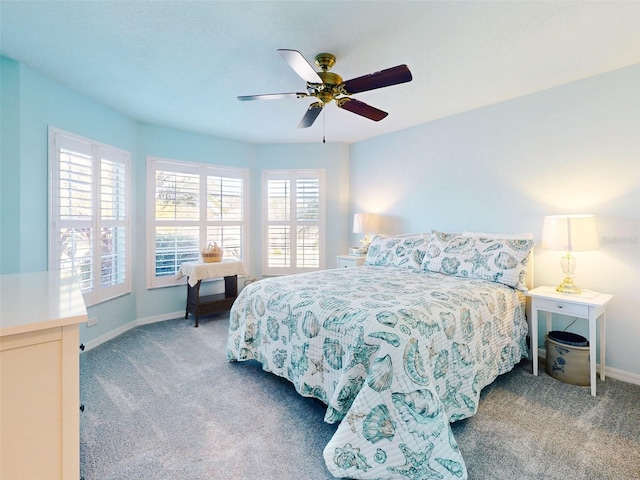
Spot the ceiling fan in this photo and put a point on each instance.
(326, 86)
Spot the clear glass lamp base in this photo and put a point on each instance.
(567, 286)
(568, 263)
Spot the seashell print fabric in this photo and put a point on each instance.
(493, 259)
(406, 251)
(396, 355)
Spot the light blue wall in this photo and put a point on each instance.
(570, 149)
(10, 165)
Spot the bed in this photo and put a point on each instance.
(397, 349)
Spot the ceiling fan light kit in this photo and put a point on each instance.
(326, 86)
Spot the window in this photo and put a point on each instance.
(294, 221)
(89, 214)
(190, 205)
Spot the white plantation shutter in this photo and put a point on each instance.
(225, 213)
(293, 212)
(74, 235)
(190, 205)
(114, 235)
(89, 214)
(278, 228)
(177, 214)
(307, 223)
(224, 198)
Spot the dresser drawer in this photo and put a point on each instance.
(564, 308)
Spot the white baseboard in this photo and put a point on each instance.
(609, 372)
(129, 326)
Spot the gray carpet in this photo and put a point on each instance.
(161, 402)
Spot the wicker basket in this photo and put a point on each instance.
(211, 254)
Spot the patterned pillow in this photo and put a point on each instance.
(497, 260)
(406, 251)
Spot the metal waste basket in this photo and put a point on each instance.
(567, 358)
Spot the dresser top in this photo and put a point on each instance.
(34, 301)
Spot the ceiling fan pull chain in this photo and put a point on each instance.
(324, 125)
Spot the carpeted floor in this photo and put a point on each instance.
(161, 402)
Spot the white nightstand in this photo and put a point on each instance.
(345, 261)
(588, 305)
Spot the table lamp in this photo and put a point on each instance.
(366, 223)
(569, 233)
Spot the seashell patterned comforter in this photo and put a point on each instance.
(395, 355)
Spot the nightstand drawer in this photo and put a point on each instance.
(564, 308)
(346, 261)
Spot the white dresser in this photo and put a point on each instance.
(40, 376)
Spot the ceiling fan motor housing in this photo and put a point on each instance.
(329, 87)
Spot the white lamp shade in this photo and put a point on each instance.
(570, 233)
(365, 223)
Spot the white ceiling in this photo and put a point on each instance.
(181, 64)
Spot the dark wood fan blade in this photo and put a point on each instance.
(273, 96)
(303, 68)
(383, 78)
(311, 115)
(361, 108)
